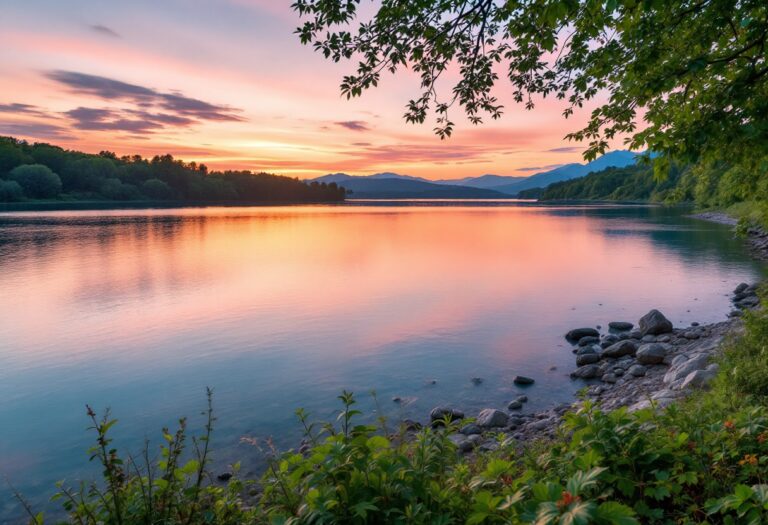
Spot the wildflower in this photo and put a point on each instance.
(749, 459)
(566, 499)
(762, 437)
(729, 424)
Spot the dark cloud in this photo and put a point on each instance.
(361, 144)
(354, 125)
(104, 30)
(21, 109)
(565, 149)
(145, 98)
(130, 121)
(34, 130)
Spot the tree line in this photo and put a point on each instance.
(45, 171)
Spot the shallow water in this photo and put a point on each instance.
(283, 307)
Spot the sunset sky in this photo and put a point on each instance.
(227, 83)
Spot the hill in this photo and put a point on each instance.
(618, 159)
(630, 183)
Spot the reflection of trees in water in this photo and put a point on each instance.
(669, 229)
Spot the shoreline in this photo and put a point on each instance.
(655, 365)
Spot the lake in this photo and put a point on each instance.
(278, 308)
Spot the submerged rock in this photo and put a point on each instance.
(578, 333)
(588, 340)
(523, 380)
(620, 326)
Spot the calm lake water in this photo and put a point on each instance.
(277, 308)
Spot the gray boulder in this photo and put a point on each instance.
(523, 380)
(578, 333)
(620, 349)
(586, 350)
(698, 379)
(515, 405)
(651, 354)
(586, 372)
(740, 288)
(681, 371)
(491, 417)
(461, 442)
(637, 370)
(588, 340)
(609, 378)
(587, 359)
(655, 323)
(620, 326)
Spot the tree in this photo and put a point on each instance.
(38, 181)
(11, 155)
(694, 70)
(156, 189)
(10, 191)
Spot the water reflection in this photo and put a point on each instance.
(282, 307)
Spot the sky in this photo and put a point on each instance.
(228, 84)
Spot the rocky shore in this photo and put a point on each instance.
(635, 366)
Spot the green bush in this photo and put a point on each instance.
(38, 181)
(156, 189)
(10, 191)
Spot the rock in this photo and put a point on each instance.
(635, 334)
(470, 429)
(651, 354)
(690, 334)
(488, 446)
(637, 370)
(698, 379)
(224, 476)
(586, 350)
(475, 439)
(663, 339)
(397, 399)
(587, 359)
(620, 349)
(491, 417)
(586, 372)
(740, 288)
(541, 424)
(648, 338)
(609, 378)
(578, 333)
(588, 340)
(620, 326)
(523, 380)
(522, 399)
(438, 414)
(461, 442)
(694, 323)
(748, 302)
(655, 323)
(411, 425)
(682, 370)
(618, 372)
(608, 340)
(515, 405)
(477, 380)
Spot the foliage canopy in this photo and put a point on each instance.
(694, 70)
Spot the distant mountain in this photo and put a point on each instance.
(388, 185)
(484, 181)
(616, 159)
(390, 188)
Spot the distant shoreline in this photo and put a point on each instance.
(146, 205)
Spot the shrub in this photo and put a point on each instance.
(156, 189)
(38, 181)
(10, 191)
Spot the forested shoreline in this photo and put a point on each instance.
(41, 172)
